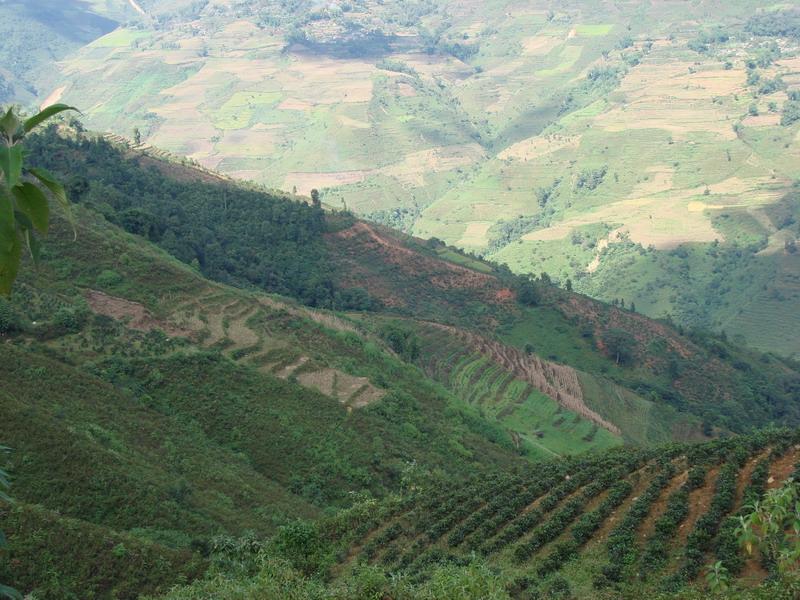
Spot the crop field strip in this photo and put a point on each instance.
(413, 524)
(637, 506)
(538, 401)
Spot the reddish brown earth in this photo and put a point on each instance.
(363, 245)
(136, 315)
(660, 505)
(640, 480)
(782, 468)
(699, 501)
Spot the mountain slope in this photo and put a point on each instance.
(206, 409)
(37, 35)
(601, 142)
(355, 265)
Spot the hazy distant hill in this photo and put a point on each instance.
(37, 34)
(607, 143)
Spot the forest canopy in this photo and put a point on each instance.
(239, 236)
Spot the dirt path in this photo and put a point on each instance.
(137, 8)
(699, 501)
(780, 470)
(54, 97)
(640, 479)
(659, 507)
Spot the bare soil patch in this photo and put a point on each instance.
(137, 317)
(781, 469)
(539, 45)
(660, 505)
(53, 98)
(305, 181)
(535, 147)
(699, 501)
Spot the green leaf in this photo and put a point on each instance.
(32, 201)
(22, 221)
(58, 191)
(11, 164)
(45, 114)
(10, 124)
(3, 542)
(10, 245)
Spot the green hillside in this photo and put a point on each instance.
(210, 362)
(570, 348)
(603, 143)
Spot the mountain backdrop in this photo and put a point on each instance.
(644, 151)
(405, 299)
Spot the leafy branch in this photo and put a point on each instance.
(24, 204)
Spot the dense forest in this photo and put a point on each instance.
(228, 232)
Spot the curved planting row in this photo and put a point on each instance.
(621, 543)
(414, 508)
(528, 520)
(479, 517)
(424, 517)
(656, 551)
(425, 528)
(705, 530)
(726, 546)
(584, 528)
(558, 521)
(506, 513)
(539, 520)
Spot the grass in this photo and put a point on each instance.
(241, 110)
(567, 58)
(120, 38)
(543, 423)
(591, 30)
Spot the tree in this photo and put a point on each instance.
(528, 294)
(772, 525)
(315, 201)
(137, 136)
(620, 345)
(24, 205)
(5, 591)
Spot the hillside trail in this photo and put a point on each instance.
(137, 8)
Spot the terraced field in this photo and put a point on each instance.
(539, 401)
(622, 521)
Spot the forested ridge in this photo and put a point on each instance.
(230, 233)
